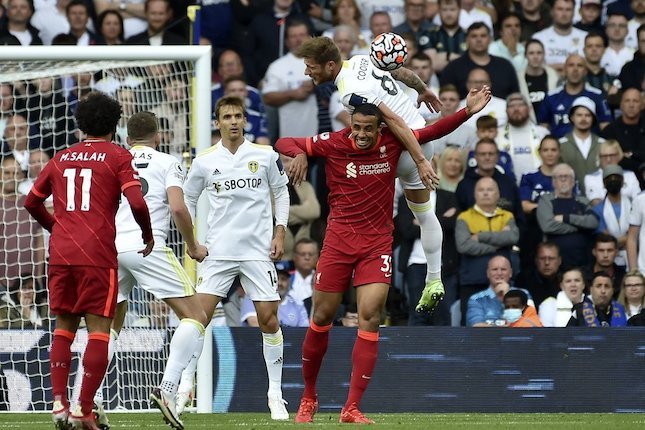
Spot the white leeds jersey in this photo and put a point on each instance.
(157, 172)
(360, 82)
(239, 188)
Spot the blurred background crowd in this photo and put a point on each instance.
(540, 193)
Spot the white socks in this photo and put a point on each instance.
(183, 345)
(187, 376)
(272, 347)
(431, 237)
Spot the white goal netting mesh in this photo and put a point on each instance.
(37, 104)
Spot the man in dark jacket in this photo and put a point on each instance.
(19, 30)
(632, 75)
(158, 14)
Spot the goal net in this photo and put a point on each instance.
(39, 92)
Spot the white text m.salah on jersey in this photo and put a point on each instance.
(157, 172)
(239, 188)
(360, 82)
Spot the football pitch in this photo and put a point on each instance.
(414, 421)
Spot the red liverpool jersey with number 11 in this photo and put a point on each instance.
(361, 183)
(87, 181)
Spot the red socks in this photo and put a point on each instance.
(60, 359)
(313, 350)
(95, 362)
(363, 362)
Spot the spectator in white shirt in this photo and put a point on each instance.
(617, 53)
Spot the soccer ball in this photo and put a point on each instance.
(388, 51)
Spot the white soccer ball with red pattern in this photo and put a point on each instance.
(388, 51)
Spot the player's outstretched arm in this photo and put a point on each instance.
(184, 223)
(141, 216)
(296, 148)
(475, 102)
(412, 80)
(409, 140)
(36, 208)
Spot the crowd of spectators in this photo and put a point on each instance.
(539, 195)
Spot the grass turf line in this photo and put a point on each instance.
(330, 421)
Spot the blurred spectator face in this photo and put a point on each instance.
(344, 39)
(77, 17)
(415, 10)
(631, 103)
(236, 88)
(634, 288)
(563, 182)
(230, 64)
(423, 68)
(111, 27)
(608, 154)
(305, 257)
(346, 12)
(487, 133)
(486, 155)
(478, 41)
(638, 6)
(158, 13)
(449, 13)
(37, 161)
(19, 12)
(452, 163)
(575, 69)
(6, 99)
(582, 118)
(601, 291)
(511, 27)
(562, 13)
(513, 303)
(477, 78)
(531, 6)
(535, 55)
(486, 193)
(350, 319)
(296, 35)
(26, 294)
(11, 175)
(641, 42)
(605, 253)
(176, 92)
(283, 4)
(550, 152)
(573, 285)
(284, 282)
(517, 111)
(380, 23)
(594, 49)
(450, 101)
(126, 98)
(548, 261)
(411, 43)
(499, 270)
(43, 85)
(589, 13)
(616, 28)
(16, 133)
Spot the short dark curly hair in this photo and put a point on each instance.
(98, 114)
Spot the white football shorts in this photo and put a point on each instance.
(258, 278)
(407, 171)
(160, 274)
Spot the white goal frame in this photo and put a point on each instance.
(200, 97)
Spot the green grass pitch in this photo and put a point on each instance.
(261, 421)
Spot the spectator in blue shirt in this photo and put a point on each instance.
(487, 307)
(554, 110)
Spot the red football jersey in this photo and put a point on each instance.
(87, 181)
(361, 183)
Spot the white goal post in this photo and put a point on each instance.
(23, 350)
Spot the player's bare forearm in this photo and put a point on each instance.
(409, 78)
(632, 246)
(181, 215)
(277, 244)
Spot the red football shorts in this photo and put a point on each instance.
(83, 290)
(366, 259)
